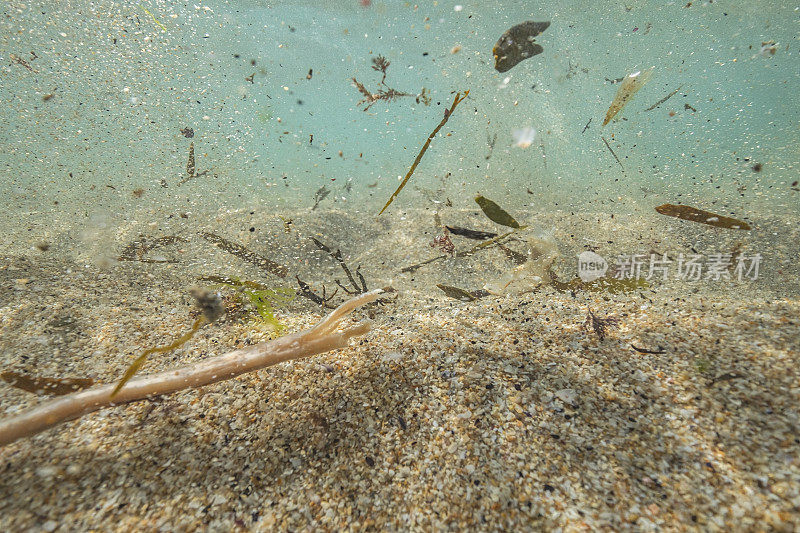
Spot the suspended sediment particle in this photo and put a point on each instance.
(190, 168)
(517, 44)
(685, 212)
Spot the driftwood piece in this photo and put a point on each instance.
(318, 339)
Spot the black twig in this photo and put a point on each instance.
(337, 255)
(306, 292)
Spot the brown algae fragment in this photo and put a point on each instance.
(600, 325)
(471, 233)
(385, 92)
(496, 213)
(630, 86)
(190, 167)
(461, 294)
(136, 250)
(447, 114)
(39, 385)
(517, 44)
(243, 253)
(693, 214)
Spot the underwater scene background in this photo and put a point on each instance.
(246, 148)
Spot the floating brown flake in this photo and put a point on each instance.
(38, 385)
(243, 253)
(471, 233)
(517, 44)
(693, 214)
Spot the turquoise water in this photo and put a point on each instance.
(496, 389)
(126, 78)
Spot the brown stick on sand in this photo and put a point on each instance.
(321, 338)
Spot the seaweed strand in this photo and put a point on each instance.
(447, 115)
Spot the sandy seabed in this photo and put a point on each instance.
(503, 413)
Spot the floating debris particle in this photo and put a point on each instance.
(138, 192)
(19, 61)
(243, 253)
(685, 212)
(496, 213)
(320, 195)
(190, 168)
(250, 77)
(670, 95)
(490, 140)
(462, 294)
(444, 243)
(612, 152)
(381, 64)
(39, 385)
(187, 132)
(517, 44)
(471, 233)
(447, 115)
(630, 86)
(523, 138)
(768, 48)
(160, 25)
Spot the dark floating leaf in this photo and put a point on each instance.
(243, 253)
(54, 386)
(684, 212)
(320, 195)
(461, 294)
(517, 44)
(496, 213)
(471, 233)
